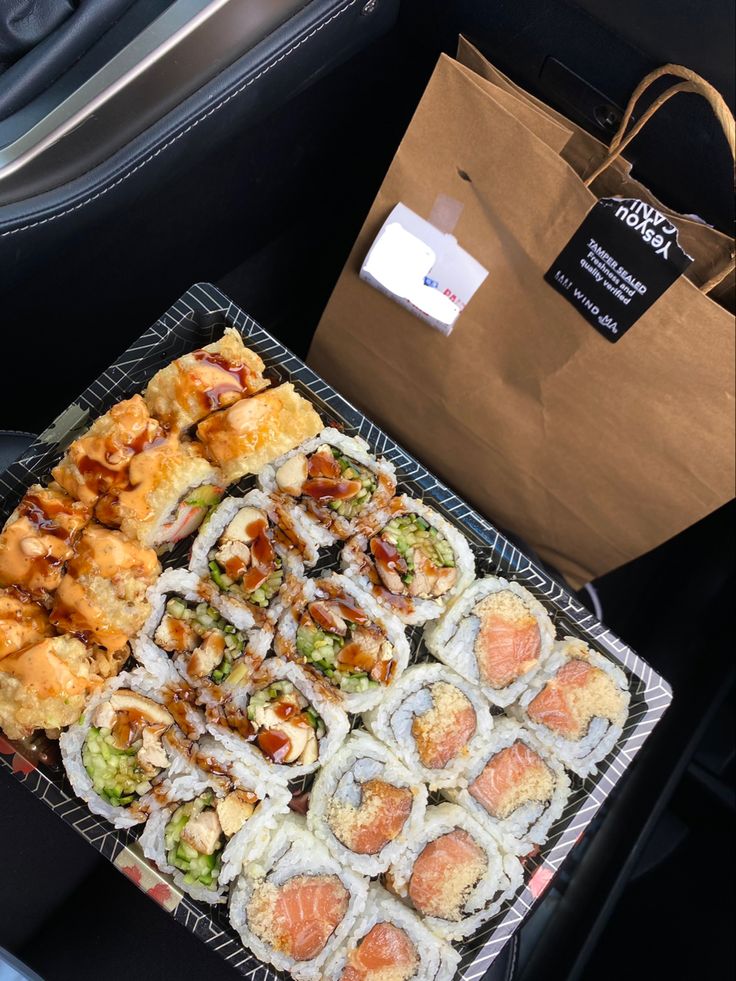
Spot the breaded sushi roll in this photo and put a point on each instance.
(390, 942)
(577, 706)
(295, 905)
(416, 563)
(241, 440)
(248, 558)
(335, 479)
(454, 873)
(22, 622)
(515, 787)
(214, 377)
(338, 630)
(365, 805)
(39, 538)
(203, 838)
(124, 745)
(102, 596)
(496, 635)
(434, 721)
(286, 727)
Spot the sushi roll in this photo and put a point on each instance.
(193, 386)
(496, 635)
(454, 873)
(341, 632)
(335, 479)
(365, 805)
(416, 563)
(514, 787)
(295, 905)
(248, 559)
(102, 596)
(39, 538)
(204, 837)
(124, 745)
(22, 622)
(286, 726)
(577, 706)
(241, 440)
(391, 942)
(434, 721)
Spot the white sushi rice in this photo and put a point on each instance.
(452, 638)
(355, 448)
(529, 824)
(503, 877)
(285, 639)
(333, 716)
(355, 554)
(410, 698)
(360, 759)
(579, 756)
(438, 961)
(293, 851)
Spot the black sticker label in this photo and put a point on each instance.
(618, 263)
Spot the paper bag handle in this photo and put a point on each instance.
(692, 83)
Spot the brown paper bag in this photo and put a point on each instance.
(593, 452)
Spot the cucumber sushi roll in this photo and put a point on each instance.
(295, 905)
(454, 873)
(391, 942)
(434, 721)
(414, 562)
(125, 745)
(203, 838)
(365, 805)
(514, 787)
(343, 634)
(496, 635)
(284, 725)
(247, 555)
(577, 706)
(336, 480)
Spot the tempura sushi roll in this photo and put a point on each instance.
(102, 596)
(454, 873)
(515, 787)
(204, 837)
(247, 557)
(335, 479)
(390, 943)
(295, 904)
(416, 563)
(287, 725)
(22, 621)
(365, 805)
(39, 538)
(211, 378)
(434, 721)
(241, 440)
(496, 635)
(124, 744)
(344, 634)
(577, 706)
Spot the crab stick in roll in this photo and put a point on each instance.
(22, 622)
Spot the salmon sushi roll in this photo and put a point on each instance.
(414, 561)
(515, 787)
(434, 721)
(496, 635)
(391, 942)
(204, 836)
(577, 707)
(365, 805)
(336, 480)
(454, 873)
(343, 634)
(296, 904)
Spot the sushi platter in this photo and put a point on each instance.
(304, 696)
